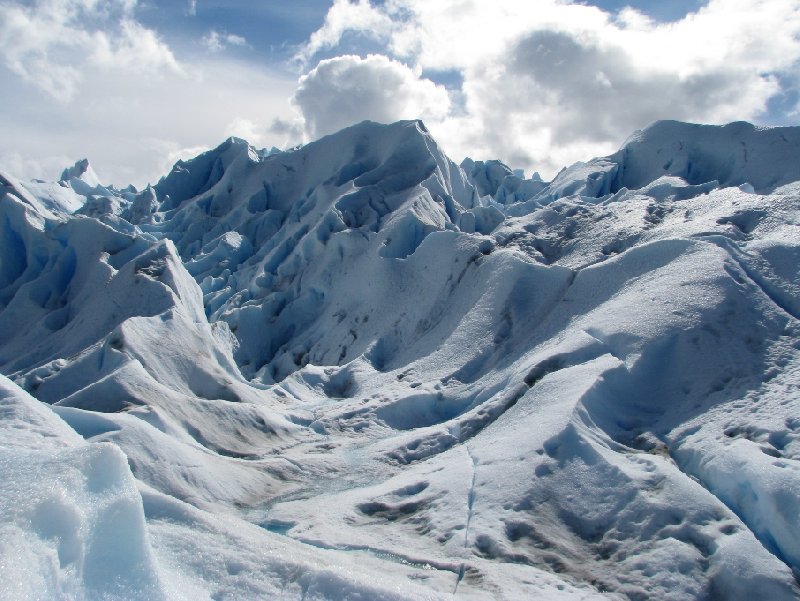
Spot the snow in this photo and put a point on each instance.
(72, 518)
(280, 374)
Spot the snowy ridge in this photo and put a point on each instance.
(358, 357)
(737, 154)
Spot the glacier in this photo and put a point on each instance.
(359, 370)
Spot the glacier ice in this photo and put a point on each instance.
(358, 370)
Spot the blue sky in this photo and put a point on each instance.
(661, 10)
(136, 84)
(272, 29)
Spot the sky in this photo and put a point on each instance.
(135, 85)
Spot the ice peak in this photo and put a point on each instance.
(82, 171)
(194, 176)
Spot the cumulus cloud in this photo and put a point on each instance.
(548, 83)
(348, 89)
(50, 43)
(578, 94)
(344, 16)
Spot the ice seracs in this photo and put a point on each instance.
(738, 154)
(291, 371)
(82, 172)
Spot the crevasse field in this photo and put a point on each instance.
(357, 370)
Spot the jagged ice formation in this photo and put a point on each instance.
(358, 370)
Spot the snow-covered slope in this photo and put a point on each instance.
(292, 371)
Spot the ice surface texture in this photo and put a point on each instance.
(357, 370)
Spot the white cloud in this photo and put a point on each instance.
(537, 84)
(131, 128)
(101, 85)
(134, 48)
(170, 153)
(217, 41)
(343, 16)
(45, 167)
(191, 8)
(549, 82)
(255, 133)
(50, 43)
(348, 89)
(581, 95)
